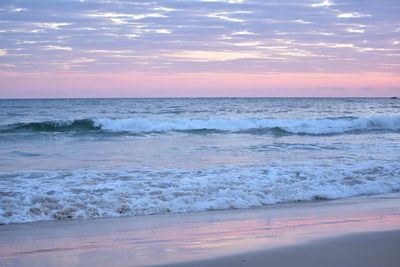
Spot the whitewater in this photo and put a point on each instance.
(143, 126)
(93, 158)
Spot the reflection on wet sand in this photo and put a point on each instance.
(149, 240)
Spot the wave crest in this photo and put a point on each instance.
(53, 126)
(204, 126)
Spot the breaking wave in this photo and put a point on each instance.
(83, 194)
(324, 126)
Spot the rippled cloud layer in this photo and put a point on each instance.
(228, 36)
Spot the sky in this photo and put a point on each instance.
(199, 48)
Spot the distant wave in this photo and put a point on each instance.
(324, 126)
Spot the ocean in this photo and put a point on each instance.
(93, 158)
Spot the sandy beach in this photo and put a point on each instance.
(301, 234)
(358, 250)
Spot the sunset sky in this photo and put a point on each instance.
(116, 48)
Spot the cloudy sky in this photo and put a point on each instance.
(116, 48)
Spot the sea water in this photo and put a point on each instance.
(92, 158)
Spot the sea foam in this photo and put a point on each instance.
(295, 126)
(82, 194)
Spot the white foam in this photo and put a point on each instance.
(296, 126)
(33, 196)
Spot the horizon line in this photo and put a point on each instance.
(200, 97)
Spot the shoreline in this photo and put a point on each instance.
(192, 237)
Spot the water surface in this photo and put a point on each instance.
(89, 158)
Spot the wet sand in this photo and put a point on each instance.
(227, 238)
(376, 249)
